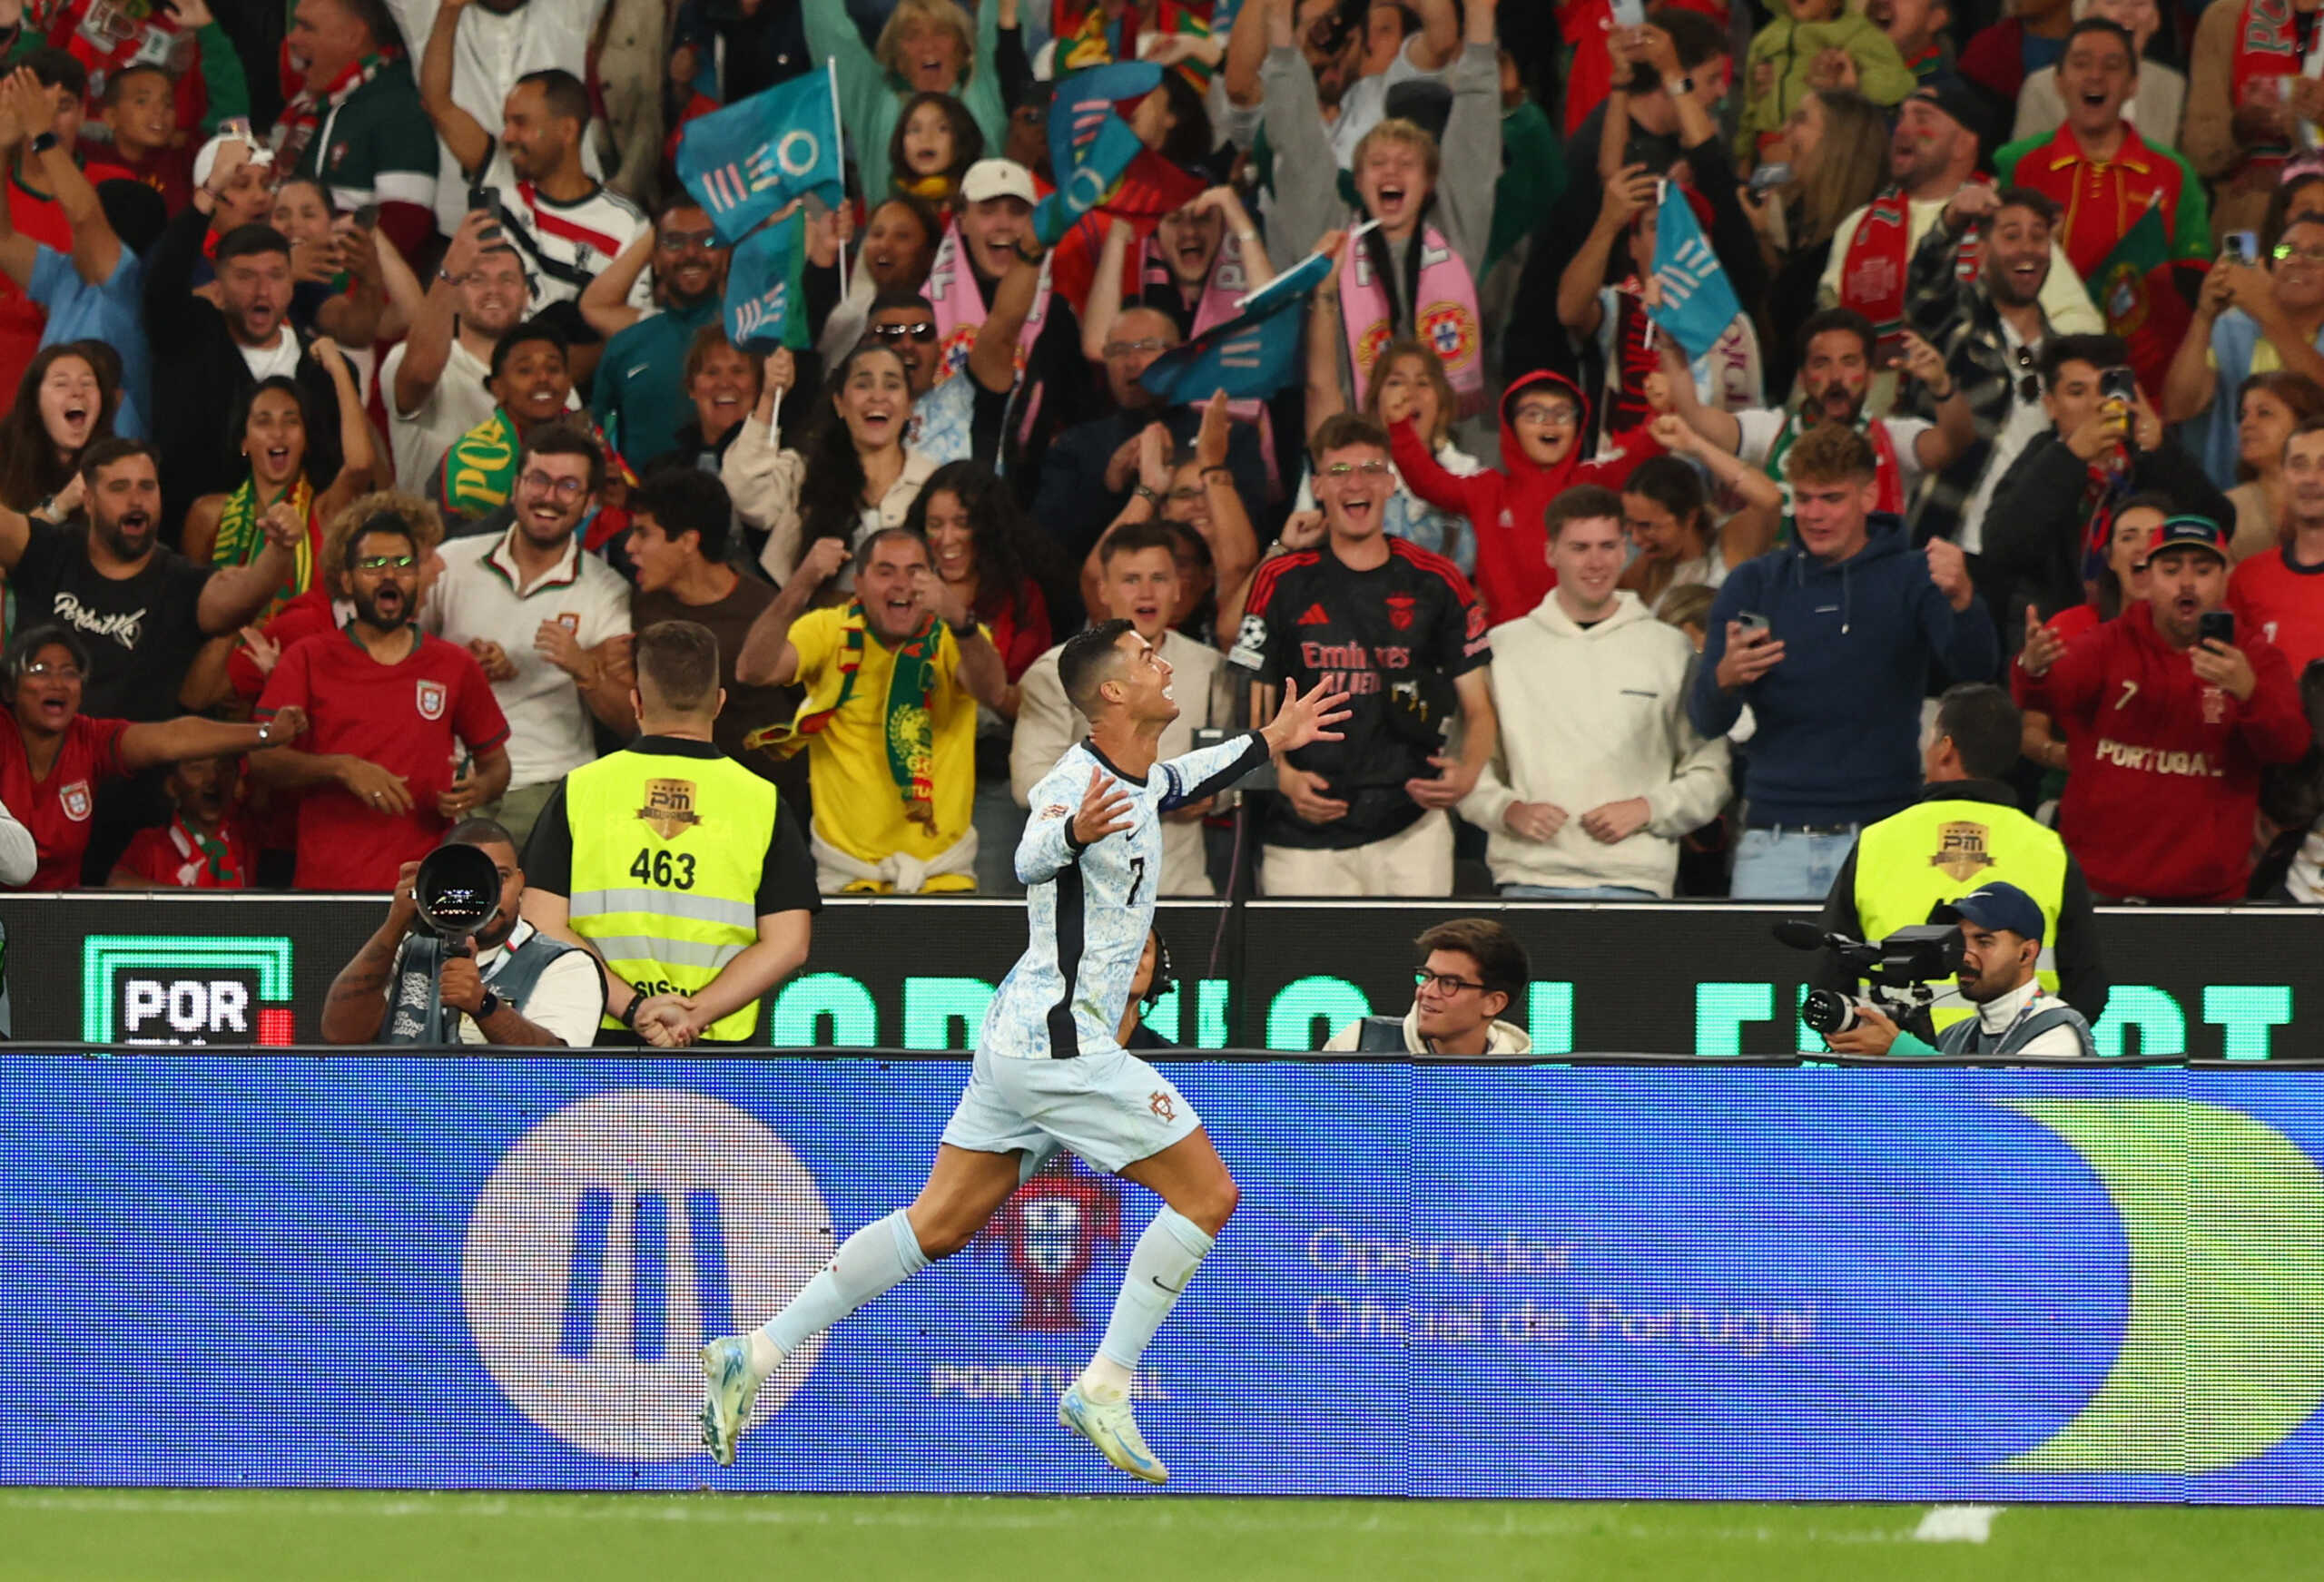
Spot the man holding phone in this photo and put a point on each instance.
(2170, 714)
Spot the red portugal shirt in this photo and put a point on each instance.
(411, 718)
(2280, 599)
(172, 857)
(57, 810)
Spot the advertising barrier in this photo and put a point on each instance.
(264, 1268)
(1670, 979)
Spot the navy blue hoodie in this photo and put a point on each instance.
(1839, 717)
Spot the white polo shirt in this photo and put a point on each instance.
(457, 403)
(480, 594)
(569, 1001)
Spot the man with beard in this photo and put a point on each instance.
(543, 617)
(1836, 361)
(2002, 935)
(1931, 157)
(207, 358)
(890, 718)
(392, 710)
(1990, 329)
(567, 224)
(641, 379)
(514, 986)
(437, 376)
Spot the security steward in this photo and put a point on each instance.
(1965, 832)
(677, 865)
(514, 986)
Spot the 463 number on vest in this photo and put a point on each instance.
(663, 868)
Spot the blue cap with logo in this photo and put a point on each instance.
(1995, 905)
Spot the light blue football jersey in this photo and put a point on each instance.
(1089, 910)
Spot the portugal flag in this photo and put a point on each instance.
(2136, 293)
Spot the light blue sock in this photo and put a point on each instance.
(1162, 1262)
(879, 1257)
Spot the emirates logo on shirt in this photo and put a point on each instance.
(77, 802)
(432, 700)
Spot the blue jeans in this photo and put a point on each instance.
(1784, 865)
(1587, 892)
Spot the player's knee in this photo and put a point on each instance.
(939, 1238)
(1214, 1203)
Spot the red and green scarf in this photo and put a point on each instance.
(1880, 256)
(1887, 480)
(910, 729)
(304, 115)
(242, 535)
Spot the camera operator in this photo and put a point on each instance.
(2001, 933)
(1965, 830)
(1472, 970)
(516, 987)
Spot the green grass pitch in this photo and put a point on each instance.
(67, 1535)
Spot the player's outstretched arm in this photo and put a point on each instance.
(1054, 837)
(1301, 720)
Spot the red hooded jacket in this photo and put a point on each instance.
(1504, 508)
(2164, 774)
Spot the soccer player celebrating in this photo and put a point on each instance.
(1048, 1072)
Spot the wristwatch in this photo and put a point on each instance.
(487, 1007)
(42, 141)
(627, 1015)
(1684, 85)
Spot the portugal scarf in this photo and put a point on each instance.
(1443, 311)
(303, 116)
(2272, 39)
(959, 305)
(241, 535)
(479, 470)
(909, 730)
(1889, 481)
(1879, 255)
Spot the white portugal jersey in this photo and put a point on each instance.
(1090, 909)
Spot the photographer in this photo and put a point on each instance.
(2001, 932)
(1967, 830)
(515, 987)
(1471, 970)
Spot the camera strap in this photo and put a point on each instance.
(416, 1009)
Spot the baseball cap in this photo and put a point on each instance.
(996, 179)
(1957, 101)
(1994, 906)
(2189, 533)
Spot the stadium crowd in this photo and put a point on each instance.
(372, 379)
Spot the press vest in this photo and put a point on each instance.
(667, 854)
(1940, 850)
(513, 977)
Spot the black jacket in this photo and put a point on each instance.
(202, 379)
(2040, 516)
(2082, 976)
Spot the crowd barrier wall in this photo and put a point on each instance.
(1676, 979)
(362, 1270)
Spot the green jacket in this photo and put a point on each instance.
(1787, 49)
(1532, 178)
(870, 102)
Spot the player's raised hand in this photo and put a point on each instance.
(1105, 811)
(1302, 719)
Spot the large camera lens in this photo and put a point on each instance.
(457, 891)
(1828, 1011)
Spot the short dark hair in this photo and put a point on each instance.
(476, 829)
(112, 95)
(1582, 503)
(872, 540)
(560, 437)
(686, 499)
(675, 199)
(680, 659)
(112, 451)
(1823, 321)
(1133, 536)
(2041, 203)
(2113, 30)
(2100, 351)
(1088, 661)
(1672, 483)
(526, 333)
(380, 523)
(568, 99)
(1697, 38)
(1502, 966)
(1343, 429)
(56, 68)
(47, 634)
(250, 241)
(898, 302)
(1986, 728)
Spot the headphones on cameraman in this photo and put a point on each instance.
(1165, 973)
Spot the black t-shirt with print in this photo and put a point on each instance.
(141, 632)
(1393, 638)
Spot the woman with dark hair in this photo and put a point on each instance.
(2268, 407)
(62, 406)
(852, 474)
(935, 141)
(272, 420)
(54, 760)
(980, 545)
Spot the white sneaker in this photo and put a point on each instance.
(1112, 1427)
(729, 1391)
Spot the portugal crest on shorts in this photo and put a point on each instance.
(76, 801)
(432, 700)
(669, 808)
(1961, 850)
(1452, 330)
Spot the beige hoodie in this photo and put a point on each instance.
(1502, 1039)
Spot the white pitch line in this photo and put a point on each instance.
(1957, 1524)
